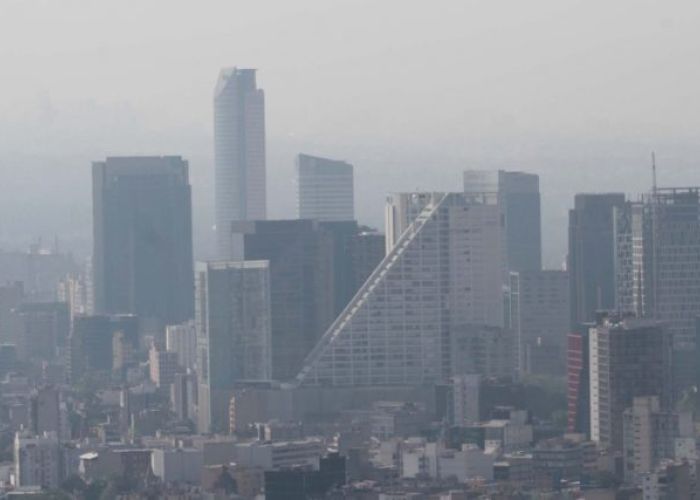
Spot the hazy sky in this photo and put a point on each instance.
(410, 91)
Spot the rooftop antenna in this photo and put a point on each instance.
(653, 173)
(655, 244)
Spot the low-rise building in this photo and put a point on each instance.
(515, 468)
(510, 430)
(566, 458)
(435, 461)
(280, 454)
(396, 419)
(177, 465)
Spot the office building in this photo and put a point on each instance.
(356, 254)
(367, 249)
(564, 458)
(178, 465)
(434, 461)
(324, 189)
(544, 321)
(338, 238)
(123, 354)
(301, 483)
(658, 268)
(76, 291)
(591, 259)
(519, 195)
(578, 401)
(40, 269)
(182, 339)
(397, 419)
(400, 211)
(37, 460)
(45, 411)
(183, 396)
(163, 365)
(92, 342)
(509, 430)
(628, 358)
(279, 454)
(445, 272)
(672, 479)
(232, 317)
(465, 400)
(239, 151)
(303, 289)
(490, 351)
(8, 358)
(44, 328)
(11, 296)
(142, 220)
(650, 435)
(515, 468)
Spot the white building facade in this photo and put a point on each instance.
(324, 189)
(239, 149)
(446, 271)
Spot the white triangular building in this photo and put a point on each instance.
(444, 273)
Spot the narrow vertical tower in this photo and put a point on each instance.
(239, 149)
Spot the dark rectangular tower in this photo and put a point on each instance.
(302, 293)
(591, 259)
(142, 220)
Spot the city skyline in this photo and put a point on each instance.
(434, 120)
(423, 253)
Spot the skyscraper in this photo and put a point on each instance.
(233, 333)
(182, 339)
(544, 320)
(519, 194)
(628, 358)
(366, 249)
(163, 365)
(142, 220)
(315, 269)
(591, 260)
(324, 189)
(658, 268)
(44, 328)
(444, 273)
(578, 400)
(300, 255)
(239, 148)
(91, 342)
(400, 211)
(45, 411)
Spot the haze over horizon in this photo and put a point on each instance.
(409, 93)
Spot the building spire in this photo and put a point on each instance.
(653, 173)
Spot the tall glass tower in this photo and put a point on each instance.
(239, 149)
